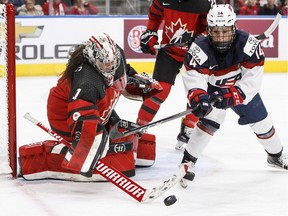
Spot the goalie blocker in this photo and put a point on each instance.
(42, 160)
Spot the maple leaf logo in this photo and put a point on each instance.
(177, 32)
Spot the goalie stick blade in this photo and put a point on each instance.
(152, 194)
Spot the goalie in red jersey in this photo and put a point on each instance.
(183, 21)
(80, 109)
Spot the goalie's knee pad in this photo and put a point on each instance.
(42, 160)
(146, 151)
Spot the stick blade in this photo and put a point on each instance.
(114, 133)
(152, 194)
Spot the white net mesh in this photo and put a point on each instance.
(4, 129)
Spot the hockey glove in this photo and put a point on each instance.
(141, 85)
(146, 82)
(148, 39)
(198, 100)
(232, 96)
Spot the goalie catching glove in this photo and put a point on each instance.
(232, 96)
(199, 102)
(141, 86)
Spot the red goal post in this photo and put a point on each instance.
(8, 146)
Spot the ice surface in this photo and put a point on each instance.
(232, 178)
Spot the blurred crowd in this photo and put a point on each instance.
(82, 7)
(60, 7)
(261, 7)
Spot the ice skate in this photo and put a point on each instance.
(183, 136)
(187, 158)
(278, 162)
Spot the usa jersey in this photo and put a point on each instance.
(181, 20)
(242, 66)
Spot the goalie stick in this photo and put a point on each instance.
(126, 184)
(262, 36)
(113, 147)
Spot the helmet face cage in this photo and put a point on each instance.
(102, 52)
(221, 26)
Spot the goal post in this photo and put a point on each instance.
(8, 146)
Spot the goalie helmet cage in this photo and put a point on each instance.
(8, 151)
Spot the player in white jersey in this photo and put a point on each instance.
(224, 70)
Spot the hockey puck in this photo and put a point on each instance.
(170, 200)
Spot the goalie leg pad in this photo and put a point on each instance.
(86, 150)
(42, 160)
(134, 139)
(146, 151)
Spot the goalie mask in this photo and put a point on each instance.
(221, 27)
(102, 52)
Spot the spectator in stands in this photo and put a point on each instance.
(59, 8)
(4, 1)
(81, 7)
(30, 9)
(250, 8)
(268, 9)
(17, 4)
(126, 8)
(145, 5)
(284, 8)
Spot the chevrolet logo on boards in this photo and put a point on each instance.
(27, 31)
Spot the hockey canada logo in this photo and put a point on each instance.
(133, 38)
(180, 35)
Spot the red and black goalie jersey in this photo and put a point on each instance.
(86, 98)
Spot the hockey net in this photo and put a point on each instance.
(8, 152)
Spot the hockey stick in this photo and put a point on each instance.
(160, 46)
(271, 28)
(126, 184)
(115, 133)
